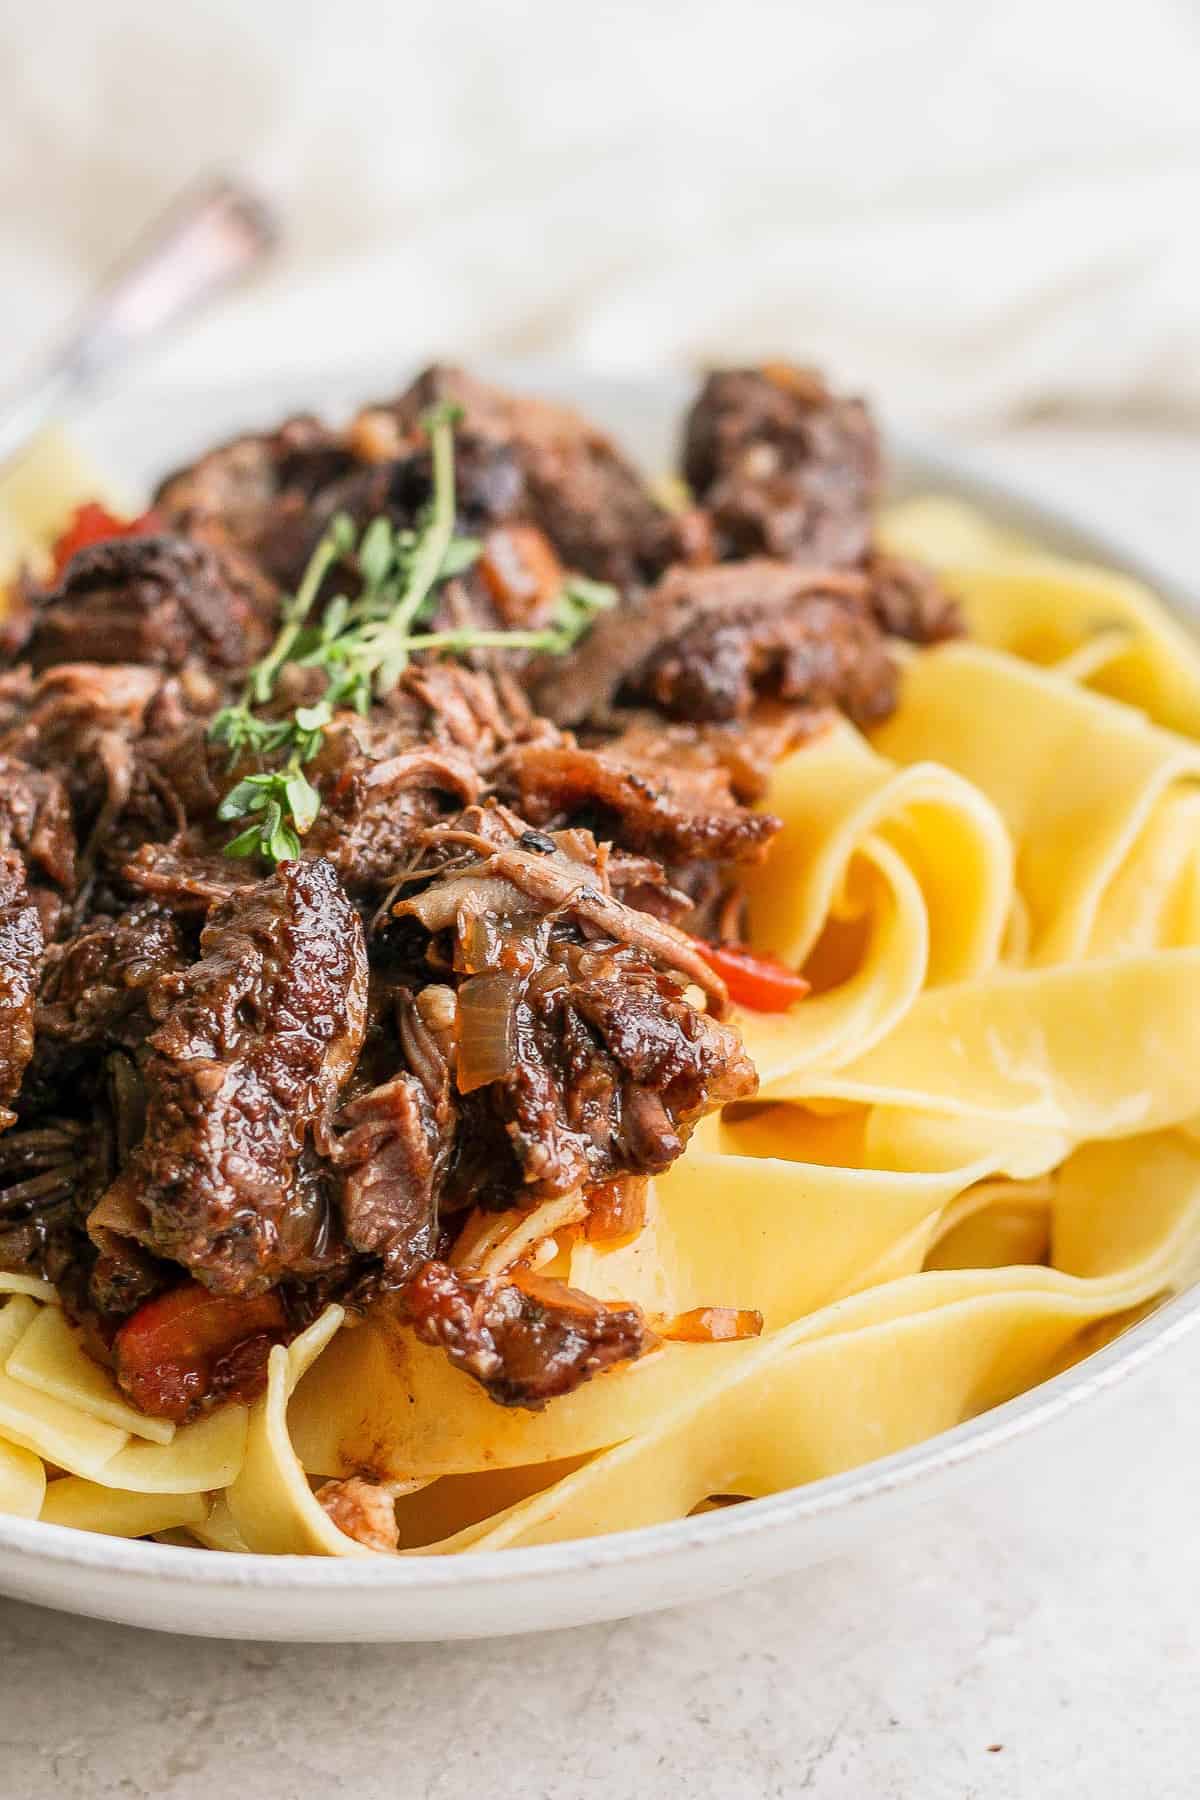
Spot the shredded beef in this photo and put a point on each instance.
(95, 992)
(570, 478)
(783, 466)
(254, 493)
(674, 813)
(256, 1040)
(524, 1343)
(36, 825)
(608, 1065)
(20, 962)
(394, 1143)
(163, 602)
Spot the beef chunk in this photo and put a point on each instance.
(394, 1142)
(163, 602)
(819, 647)
(256, 1040)
(35, 822)
(707, 644)
(524, 1343)
(644, 802)
(579, 1057)
(783, 466)
(254, 494)
(94, 996)
(20, 964)
(612, 1069)
(571, 480)
(374, 802)
(909, 601)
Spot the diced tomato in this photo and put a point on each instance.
(762, 983)
(92, 523)
(188, 1347)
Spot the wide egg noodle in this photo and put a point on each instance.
(32, 1285)
(202, 1456)
(714, 1233)
(1034, 1050)
(1047, 609)
(49, 1356)
(116, 1513)
(916, 858)
(884, 1369)
(975, 1157)
(49, 1427)
(271, 1505)
(22, 1481)
(1004, 725)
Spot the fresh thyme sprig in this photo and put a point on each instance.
(362, 646)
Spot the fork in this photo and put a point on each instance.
(214, 233)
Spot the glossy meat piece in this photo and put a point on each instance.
(254, 493)
(95, 992)
(524, 1343)
(613, 1068)
(710, 644)
(394, 1142)
(575, 483)
(35, 822)
(646, 803)
(163, 602)
(20, 965)
(256, 1041)
(783, 466)
(588, 1061)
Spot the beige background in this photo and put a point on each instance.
(977, 207)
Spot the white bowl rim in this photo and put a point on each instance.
(921, 464)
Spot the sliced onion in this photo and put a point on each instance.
(439, 905)
(486, 1006)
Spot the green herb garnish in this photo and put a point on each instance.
(362, 646)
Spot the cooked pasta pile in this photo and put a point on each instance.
(972, 1156)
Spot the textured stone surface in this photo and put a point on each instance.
(1000, 1650)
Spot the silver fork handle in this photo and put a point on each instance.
(213, 234)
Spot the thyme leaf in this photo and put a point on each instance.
(362, 647)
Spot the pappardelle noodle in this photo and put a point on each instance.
(921, 845)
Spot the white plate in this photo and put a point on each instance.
(1018, 1445)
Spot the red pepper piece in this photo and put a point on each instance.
(188, 1347)
(92, 523)
(754, 980)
